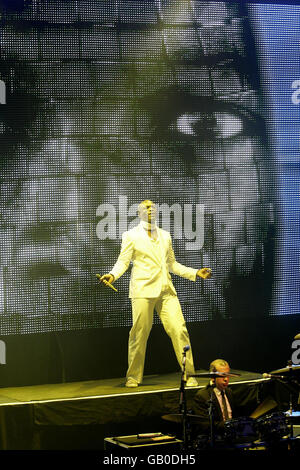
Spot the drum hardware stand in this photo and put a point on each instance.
(292, 381)
(288, 387)
(211, 418)
(290, 412)
(291, 384)
(182, 399)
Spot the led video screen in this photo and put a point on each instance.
(105, 103)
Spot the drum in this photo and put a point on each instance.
(201, 442)
(272, 427)
(240, 431)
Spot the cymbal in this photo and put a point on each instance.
(267, 405)
(208, 375)
(215, 375)
(297, 336)
(287, 370)
(178, 418)
(294, 415)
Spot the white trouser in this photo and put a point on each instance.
(169, 310)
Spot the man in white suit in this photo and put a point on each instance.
(149, 248)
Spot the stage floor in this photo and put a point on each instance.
(106, 388)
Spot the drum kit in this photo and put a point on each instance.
(262, 430)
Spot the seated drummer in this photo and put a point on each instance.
(222, 399)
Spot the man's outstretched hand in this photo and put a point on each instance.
(205, 273)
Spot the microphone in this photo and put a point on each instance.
(272, 376)
(186, 348)
(98, 276)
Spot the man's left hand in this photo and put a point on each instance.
(205, 273)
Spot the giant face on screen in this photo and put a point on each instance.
(109, 103)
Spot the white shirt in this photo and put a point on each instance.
(158, 252)
(219, 398)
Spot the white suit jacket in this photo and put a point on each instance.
(147, 272)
